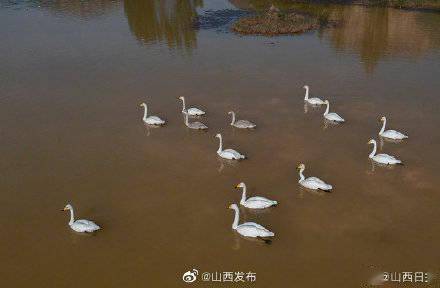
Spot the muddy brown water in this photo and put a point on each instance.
(72, 77)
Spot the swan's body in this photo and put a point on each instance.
(331, 116)
(312, 182)
(190, 111)
(80, 225)
(382, 158)
(313, 100)
(243, 124)
(391, 134)
(230, 154)
(249, 229)
(151, 120)
(195, 125)
(255, 202)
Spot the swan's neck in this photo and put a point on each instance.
(301, 175)
(220, 147)
(307, 94)
(243, 195)
(236, 218)
(183, 104)
(233, 118)
(145, 111)
(72, 217)
(327, 109)
(383, 126)
(374, 150)
(186, 120)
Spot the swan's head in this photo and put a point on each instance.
(233, 206)
(181, 98)
(68, 207)
(241, 185)
(218, 135)
(231, 112)
(142, 104)
(301, 166)
(306, 86)
(326, 102)
(372, 141)
(383, 118)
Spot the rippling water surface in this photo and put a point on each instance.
(72, 76)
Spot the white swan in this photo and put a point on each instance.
(331, 116)
(312, 182)
(382, 158)
(314, 100)
(190, 111)
(249, 229)
(80, 225)
(230, 154)
(241, 123)
(151, 120)
(255, 202)
(195, 125)
(391, 134)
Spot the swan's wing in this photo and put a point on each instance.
(314, 179)
(386, 159)
(393, 134)
(195, 111)
(251, 229)
(84, 226)
(154, 120)
(315, 183)
(244, 123)
(315, 101)
(258, 198)
(334, 117)
(233, 153)
(258, 203)
(253, 224)
(228, 154)
(385, 156)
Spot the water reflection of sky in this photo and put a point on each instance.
(373, 34)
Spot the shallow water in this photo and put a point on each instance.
(72, 77)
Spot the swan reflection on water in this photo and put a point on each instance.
(225, 162)
(374, 164)
(312, 107)
(327, 123)
(148, 128)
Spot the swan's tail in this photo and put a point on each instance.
(327, 188)
(269, 234)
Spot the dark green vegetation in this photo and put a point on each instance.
(287, 21)
(274, 22)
